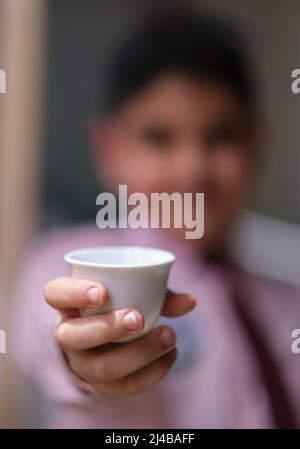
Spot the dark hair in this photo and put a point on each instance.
(180, 41)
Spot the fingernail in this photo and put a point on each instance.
(167, 337)
(93, 296)
(131, 321)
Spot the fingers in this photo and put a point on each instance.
(116, 363)
(88, 342)
(66, 293)
(82, 333)
(178, 304)
(148, 376)
(71, 293)
(140, 380)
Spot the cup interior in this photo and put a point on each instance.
(119, 256)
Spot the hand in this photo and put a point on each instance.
(112, 369)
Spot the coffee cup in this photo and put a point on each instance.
(133, 277)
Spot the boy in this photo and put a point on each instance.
(182, 118)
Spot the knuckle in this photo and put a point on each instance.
(130, 387)
(63, 335)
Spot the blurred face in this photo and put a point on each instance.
(181, 135)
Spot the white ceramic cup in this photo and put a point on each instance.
(133, 276)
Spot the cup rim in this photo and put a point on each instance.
(69, 257)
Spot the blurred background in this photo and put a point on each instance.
(53, 53)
